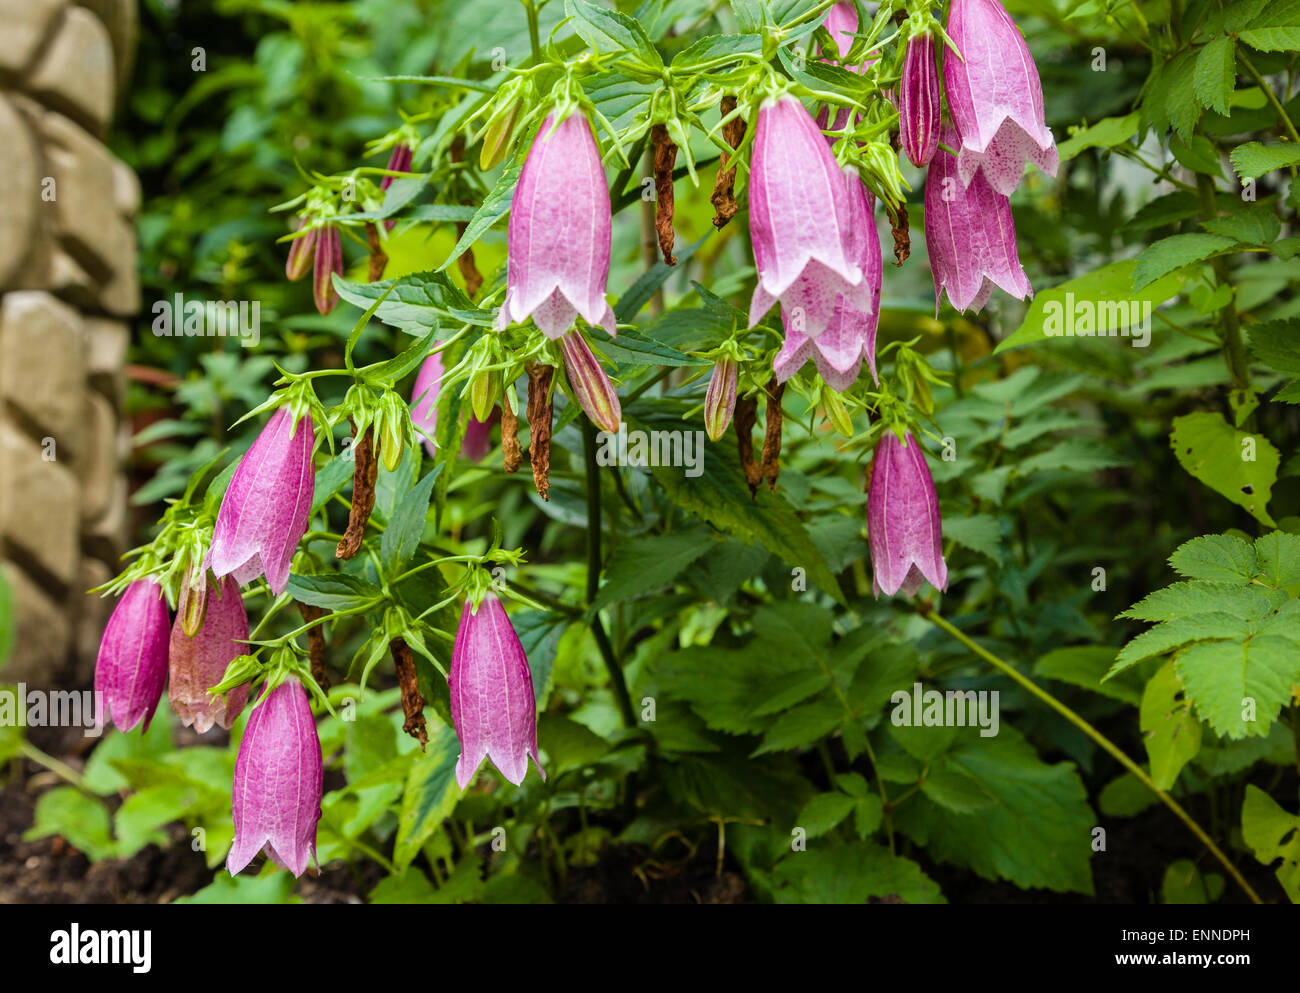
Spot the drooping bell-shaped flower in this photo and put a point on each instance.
(478, 437)
(851, 335)
(918, 101)
(198, 663)
(970, 235)
(560, 233)
(800, 222)
(278, 781)
(492, 703)
(301, 252)
(329, 260)
(424, 401)
(590, 382)
(265, 508)
(903, 524)
(994, 97)
(399, 161)
(131, 669)
(720, 397)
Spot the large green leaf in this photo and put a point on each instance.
(429, 796)
(1217, 454)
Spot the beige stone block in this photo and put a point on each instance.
(76, 72)
(20, 164)
(40, 507)
(26, 25)
(97, 464)
(42, 354)
(106, 344)
(121, 19)
(42, 633)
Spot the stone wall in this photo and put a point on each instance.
(67, 282)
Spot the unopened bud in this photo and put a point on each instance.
(720, 398)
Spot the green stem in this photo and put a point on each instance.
(926, 611)
(33, 754)
(534, 37)
(1233, 345)
(616, 679)
(1272, 98)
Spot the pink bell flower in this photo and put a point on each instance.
(198, 663)
(131, 669)
(903, 524)
(560, 233)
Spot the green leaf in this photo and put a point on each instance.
(1254, 225)
(1215, 73)
(1106, 133)
(802, 726)
(1278, 39)
(493, 208)
(1278, 554)
(1170, 254)
(1240, 687)
(1198, 597)
(1273, 833)
(715, 51)
(1034, 833)
(1255, 159)
(1180, 631)
(402, 536)
(823, 813)
(226, 889)
(82, 820)
(1215, 452)
(417, 304)
(1185, 884)
(720, 496)
(1170, 100)
(1217, 558)
(1106, 289)
(1171, 732)
(650, 562)
(332, 590)
(980, 532)
(611, 31)
(852, 873)
(1277, 345)
(568, 744)
(429, 797)
(1085, 666)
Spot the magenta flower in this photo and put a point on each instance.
(301, 253)
(800, 221)
(918, 101)
(478, 437)
(492, 704)
(970, 236)
(424, 401)
(851, 334)
(278, 781)
(199, 663)
(329, 260)
(559, 238)
(995, 97)
(903, 523)
(264, 511)
(590, 383)
(398, 161)
(131, 669)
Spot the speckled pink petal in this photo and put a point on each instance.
(798, 204)
(970, 235)
(903, 524)
(278, 781)
(995, 97)
(265, 508)
(560, 232)
(492, 703)
(131, 669)
(424, 401)
(197, 664)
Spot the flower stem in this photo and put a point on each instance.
(927, 611)
(616, 680)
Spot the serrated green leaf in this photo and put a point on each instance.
(1214, 452)
(1240, 687)
(823, 813)
(853, 873)
(429, 796)
(1171, 733)
(1170, 254)
(1278, 555)
(1273, 833)
(1215, 73)
(1255, 159)
(1223, 558)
